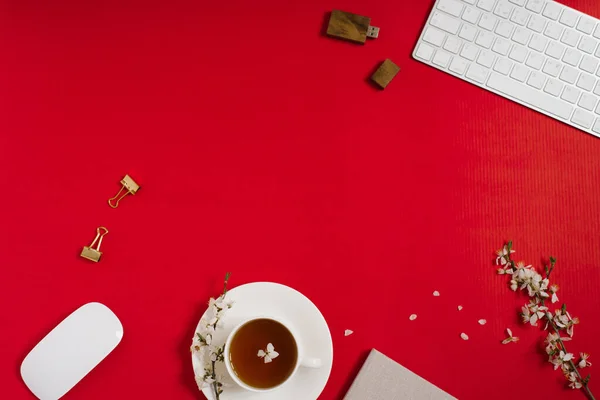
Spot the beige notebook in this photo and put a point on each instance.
(381, 378)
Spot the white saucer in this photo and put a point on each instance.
(273, 299)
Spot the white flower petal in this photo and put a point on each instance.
(273, 355)
(568, 357)
(464, 336)
(261, 353)
(482, 322)
(267, 359)
(413, 317)
(509, 332)
(436, 293)
(270, 348)
(460, 308)
(348, 332)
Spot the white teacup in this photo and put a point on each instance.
(301, 359)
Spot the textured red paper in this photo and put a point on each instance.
(262, 149)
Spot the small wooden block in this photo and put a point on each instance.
(385, 73)
(348, 26)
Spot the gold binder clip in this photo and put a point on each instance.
(92, 253)
(129, 185)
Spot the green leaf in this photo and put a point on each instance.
(564, 308)
(509, 245)
(552, 260)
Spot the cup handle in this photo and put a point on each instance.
(310, 362)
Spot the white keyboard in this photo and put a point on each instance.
(538, 53)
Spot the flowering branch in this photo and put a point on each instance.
(203, 341)
(539, 289)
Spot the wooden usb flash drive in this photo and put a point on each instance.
(385, 73)
(352, 27)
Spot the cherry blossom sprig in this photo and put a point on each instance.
(203, 341)
(526, 278)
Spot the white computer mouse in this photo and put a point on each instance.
(71, 350)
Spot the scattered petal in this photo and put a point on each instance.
(482, 322)
(413, 317)
(273, 354)
(464, 336)
(267, 359)
(261, 353)
(436, 293)
(270, 348)
(460, 308)
(509, 332)
(348, 332)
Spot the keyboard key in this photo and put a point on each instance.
(530, 96)
(552, 68)
(583, 118)
(519, 73)
(468, 32)
(503, 9)
(553, 87)
(441, 58)
(553, 30)
(471, 15)
(569, 74)
(571, 94)
(538, 43)
(586, 25)
(535, 6)
(452, 7)
(470, 1)
(597, 89)
(518, 2)
(588, 45)
(521, 35)
(555, 50)
(586, 82)
(588, 101)
(597, 32)
(488, 22)
(458, 65)
(569, 18)
(552, 11)
(589, 64)
(486, 59)
(570, 37)
(445, 22)
(503, 66)
(434, 36)
(518, 53)
(452, 45)
(536, 80)
(505, 29)
(425, 51)
(469, 52)
(596, 127)
(501, 46)
(535, 60)
(477, 73)
(486, 5)
(485, 39)
(572, 57)
(520, 16)
(536, 23)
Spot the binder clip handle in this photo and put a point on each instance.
(99, 237)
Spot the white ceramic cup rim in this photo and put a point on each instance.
(230, 368)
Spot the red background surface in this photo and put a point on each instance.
(262, 150)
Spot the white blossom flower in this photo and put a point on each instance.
(482, 322)
(436, 293)
(584, 360)
(464, 336)
(268, 355)
(510, 337)
(502, 254)
(412, 317)
(574, 382)
(553, 290)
